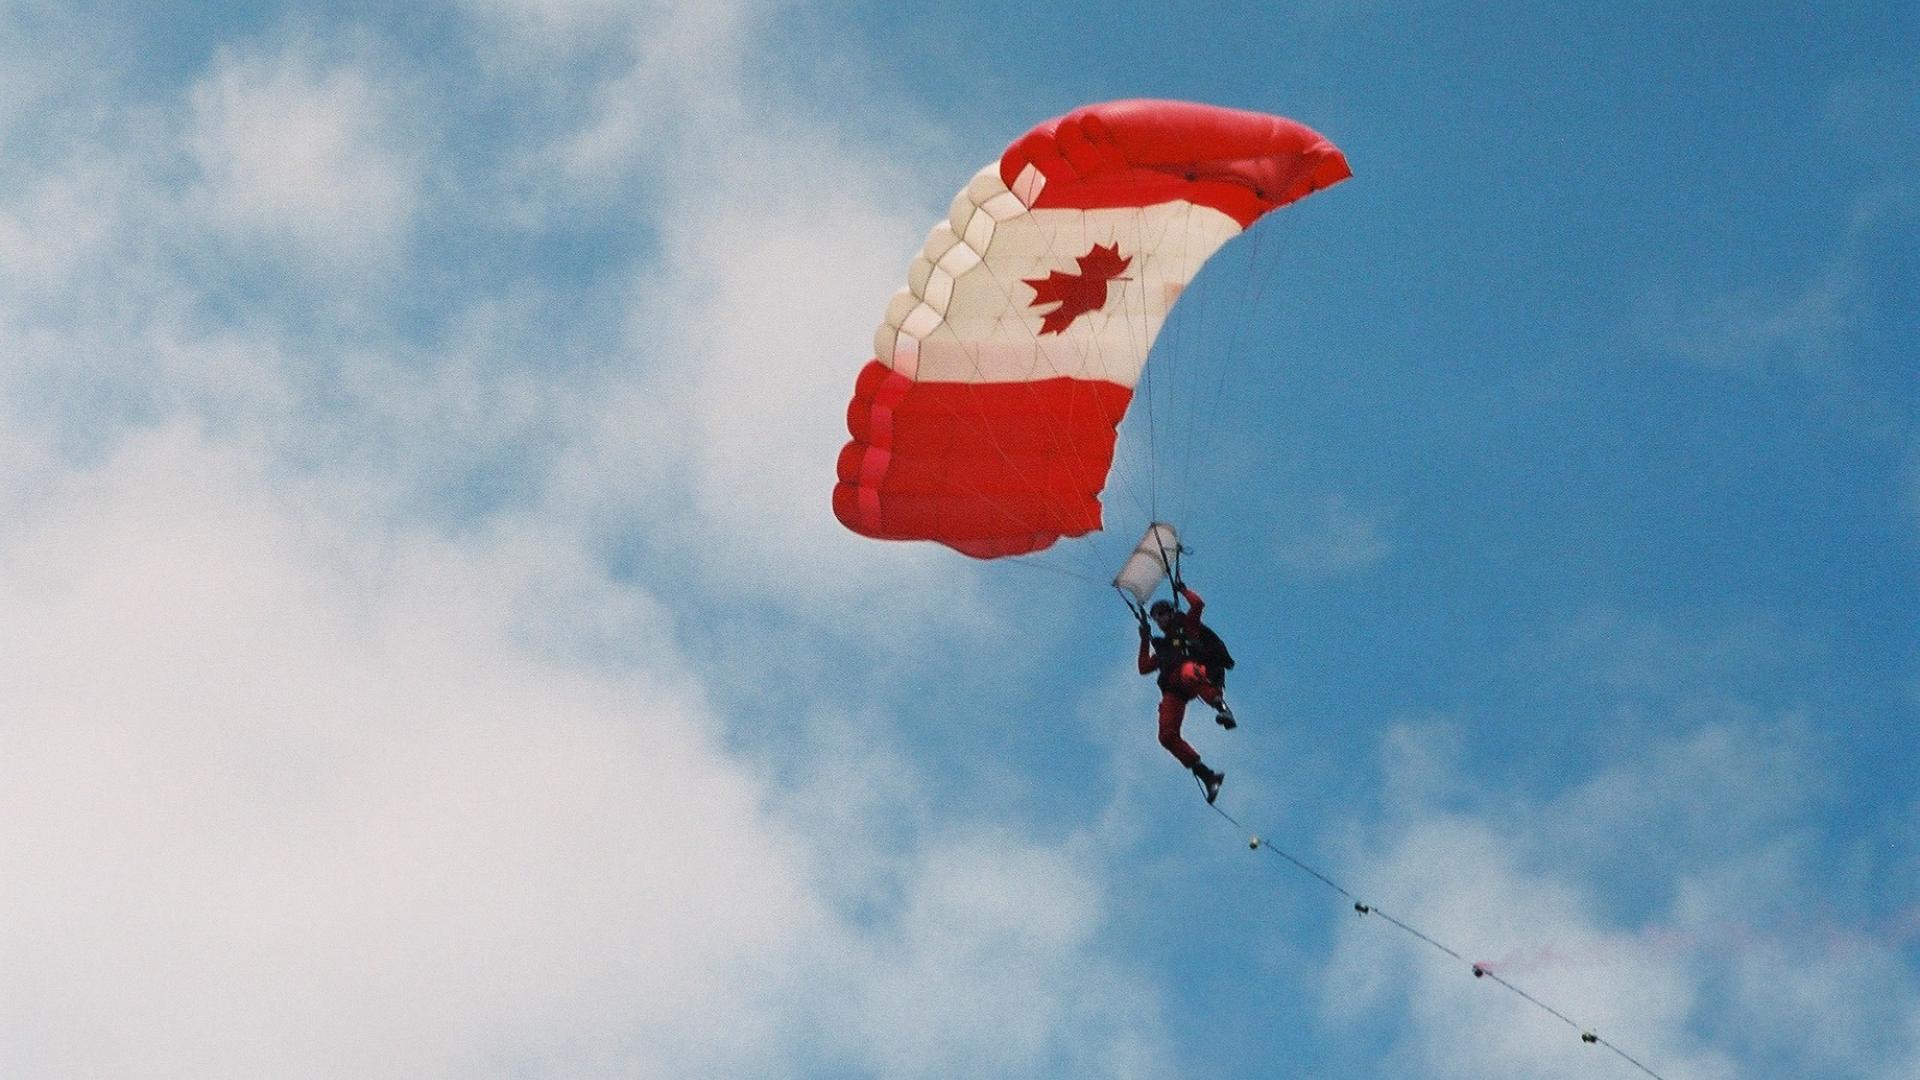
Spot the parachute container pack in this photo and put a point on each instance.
(1150, 563)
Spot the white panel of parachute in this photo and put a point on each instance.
(1150, 563)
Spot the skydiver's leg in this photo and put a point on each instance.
(1173, 709)
(1208, 693)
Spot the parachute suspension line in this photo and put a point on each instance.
(1133, 316)
(1480, 971)
(1175, 361)
(1145, 389)
(1033, 561)
(1171, 360)
(1200, 432)
(1218, 295)
(1165, 372)
(1137, 461)
(1154, 378)
(1203, 485)
(1253, 287)
(1192, 332)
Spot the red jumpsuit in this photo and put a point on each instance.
(1181, 679)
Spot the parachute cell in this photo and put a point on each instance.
(987, 419)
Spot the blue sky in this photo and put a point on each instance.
(428, 650)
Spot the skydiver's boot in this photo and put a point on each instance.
(1223, 715)
(1209, 780)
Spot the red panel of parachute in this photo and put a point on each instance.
(989, 469)
(1139, 153)
(998, 469)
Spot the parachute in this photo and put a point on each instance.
(988, 417)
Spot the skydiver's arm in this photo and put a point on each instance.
(1194, 603)
(1149, 662)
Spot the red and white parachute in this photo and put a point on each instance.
(987, 419)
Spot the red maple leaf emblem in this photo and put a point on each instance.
(1078, 293)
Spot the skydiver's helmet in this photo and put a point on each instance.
(1162, 612)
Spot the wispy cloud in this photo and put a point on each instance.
(287, 788)
(336, 745)
(1672, 900)
(297, 151)
(778, 237)
(1470, 889)
(1811, 319)
(1330, 537)
(293, 792)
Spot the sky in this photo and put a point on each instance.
(427, 650)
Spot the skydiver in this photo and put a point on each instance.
(1191, 662)
(1199, 642)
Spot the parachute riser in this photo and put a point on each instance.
(1172, 564)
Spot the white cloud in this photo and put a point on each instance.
(1635, 660)
(1812, 322)
(556, 16)
(55, 225)
(1756, 330)
(290, 794)
(1722, 779)
(1332, 538)
(36, 41)
(712, 437)
(307, 775)
(1459, 881)
(1872, 111)
(994, 940)
(1708, 981)
(756, 330)
(263, 822)
(779, 241)
(295, 151)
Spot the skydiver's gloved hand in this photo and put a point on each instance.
(1146, 631)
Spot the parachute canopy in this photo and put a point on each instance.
(987, 419)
